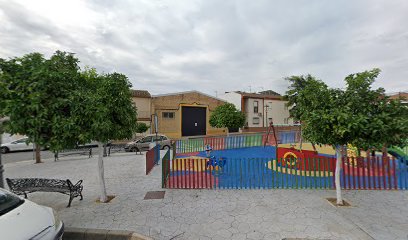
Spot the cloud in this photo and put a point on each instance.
(207, 45)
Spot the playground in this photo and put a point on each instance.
(255, 162)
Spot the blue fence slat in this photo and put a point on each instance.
(263, 173)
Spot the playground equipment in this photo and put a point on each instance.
(279, 136)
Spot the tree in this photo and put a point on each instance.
(109, 113)
(356, 115)
(142, 127)
(38, 99)
(383, 122)
(227, 116)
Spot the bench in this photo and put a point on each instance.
(118, 148)
(28, 185)
(74, 151)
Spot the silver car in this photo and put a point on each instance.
(18, 145)
(142, 144)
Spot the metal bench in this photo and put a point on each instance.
(74, 151)
(28, 185)
(118, 148)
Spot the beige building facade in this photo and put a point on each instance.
(143, 102)
(185, 114)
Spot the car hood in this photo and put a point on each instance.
(25, 221)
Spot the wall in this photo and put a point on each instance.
(278, 112)
(249, 112)
(232, 97)
(143, 108)
(173, 103)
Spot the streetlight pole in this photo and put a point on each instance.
(1, 164)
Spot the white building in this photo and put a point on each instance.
(260, 108)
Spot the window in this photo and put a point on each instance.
(146, 140)
(255, 106)
(255, 120)
(168, 114)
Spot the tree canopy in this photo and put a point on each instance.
(142, 127)
(358, 115)
(228, 116)
(39, 97)
(109, 112)
(56, 105)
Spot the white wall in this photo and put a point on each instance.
(278, 112)
(232, 97)
(249, 112)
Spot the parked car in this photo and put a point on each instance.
(18, 145)
(142, 144)
(22, 219)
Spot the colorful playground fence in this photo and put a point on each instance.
(231, 142)
(262, 173)
(152, 158)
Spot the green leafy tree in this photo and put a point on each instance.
(142, 127)
(38, 99)
(356, 115)
(381, 122)
(227, 116)
(109, 113)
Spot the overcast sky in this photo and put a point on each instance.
(171, 46)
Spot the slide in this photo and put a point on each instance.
(398, 153)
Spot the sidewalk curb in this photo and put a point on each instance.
(101, 234)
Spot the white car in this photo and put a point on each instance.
(18, 145)
(22, 219)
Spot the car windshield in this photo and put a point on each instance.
(8, 202)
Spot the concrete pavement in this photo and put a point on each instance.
(212, 214)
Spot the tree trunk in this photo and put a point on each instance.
(339, 157)
(37, 153)
(103, 197)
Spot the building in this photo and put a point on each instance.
(260, 108)
(185, 114)
(403, 95)
(143, 102)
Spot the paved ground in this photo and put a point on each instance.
(213, 214)
(23, 156)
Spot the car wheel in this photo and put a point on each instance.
(135, 149)
(5, 150)
(166, 147)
